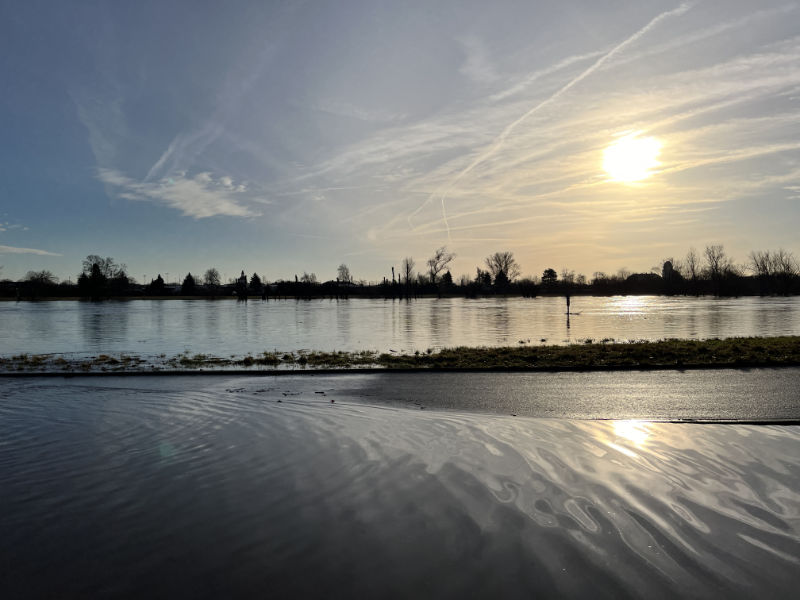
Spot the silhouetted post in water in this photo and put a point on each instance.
(567, 295)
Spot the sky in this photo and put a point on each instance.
(283, 137)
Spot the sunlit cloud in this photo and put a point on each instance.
(494, 140)
(197, 196)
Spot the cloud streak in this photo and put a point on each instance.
(14, 250)
(683, 8)
(199, 196)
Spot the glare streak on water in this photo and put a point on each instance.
(240, 486)
(223, 327)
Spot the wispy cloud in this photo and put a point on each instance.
(542, 176)
(14, 250)
(477, 65)
(553, 97)
(197, 196)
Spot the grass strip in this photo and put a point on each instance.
(675, 353)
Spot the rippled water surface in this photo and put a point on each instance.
(151, 327)
(215, 487)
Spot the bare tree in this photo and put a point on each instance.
(343, 274)
(41, 277)
(211, 277)
(623, 274)
(692, 264)
(567, 276)
(438, 262)
(308, 278)
(717, 261)
(109, 268)
(760, 262)
(407, 270)
(505, 262)
(784, 263)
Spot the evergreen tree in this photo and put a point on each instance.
(501, 280)
(157, 285)
(188, 285)
(549, 277)
(255, 284)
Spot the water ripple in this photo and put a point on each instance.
(147, 490)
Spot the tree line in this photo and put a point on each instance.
(710, 272)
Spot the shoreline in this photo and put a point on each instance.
(603, 355)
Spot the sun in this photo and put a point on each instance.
(631, 158)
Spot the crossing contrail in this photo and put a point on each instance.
(498, 143)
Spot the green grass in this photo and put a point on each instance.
(589, 354)
(664, 353)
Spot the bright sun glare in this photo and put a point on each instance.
(631, 158)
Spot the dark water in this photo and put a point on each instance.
(222, 328)
(167, 487)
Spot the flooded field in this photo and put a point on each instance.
(223, 328)
(210, 486)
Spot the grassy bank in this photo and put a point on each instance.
(733, 352)
(589, 355)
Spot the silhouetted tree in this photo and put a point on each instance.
(157, 286)
(38, 283)
(343, 274)
(96, 283)
(108, 266)
(719, 265)
(407, 269)
(255, 284)
(567, 277)
(211, 277)
(483, 278)
(549, 278)
(188, 285)
(308, 278)
(501, 281)
(692, 268)
(438, 262)
(505, 262)
(212, 280)
(119, 283)
(41, 278)
(447, 279)
(241, 287)
(407, 274)
(774, 270)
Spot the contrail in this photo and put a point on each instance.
(683, 8)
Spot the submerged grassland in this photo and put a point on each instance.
(589, 355)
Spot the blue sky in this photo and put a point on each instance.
(283, 137)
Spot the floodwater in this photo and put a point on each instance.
(223, 328)
(212, 487)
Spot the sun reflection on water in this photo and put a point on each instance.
(633, 431)
(630, 304)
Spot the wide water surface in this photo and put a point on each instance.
(209, 487)
(225, 327)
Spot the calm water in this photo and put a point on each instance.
(261, 487)
(151, 327)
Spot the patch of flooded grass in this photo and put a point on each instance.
(587, 354)
(591, 354)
